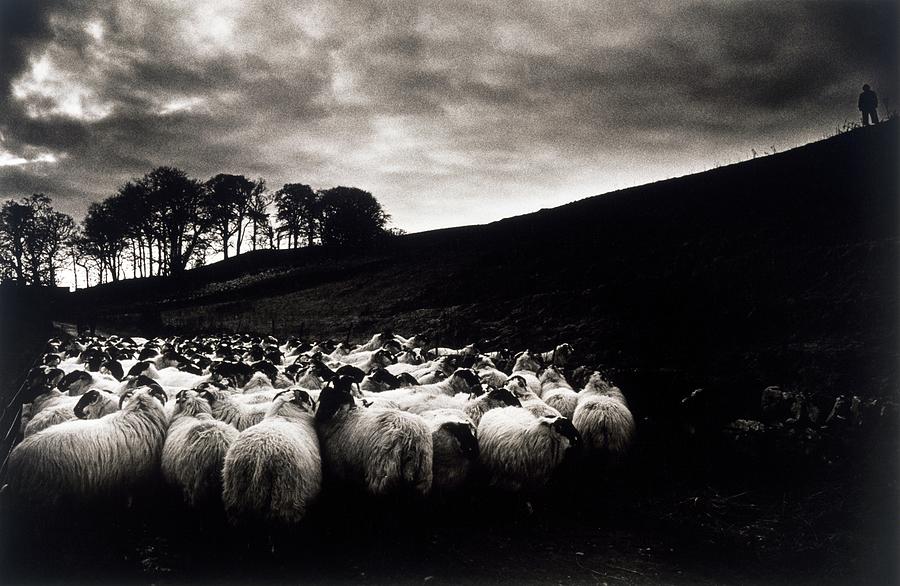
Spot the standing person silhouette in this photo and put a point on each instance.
(868, 105)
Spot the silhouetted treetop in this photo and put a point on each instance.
(351, 216)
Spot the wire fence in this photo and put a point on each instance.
(9, 421)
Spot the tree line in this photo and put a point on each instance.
(166, 222)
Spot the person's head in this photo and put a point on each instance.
(866, 87)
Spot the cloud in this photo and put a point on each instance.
(430, 105)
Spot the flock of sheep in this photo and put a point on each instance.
(261, 426)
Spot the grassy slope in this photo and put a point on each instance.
(780, 270)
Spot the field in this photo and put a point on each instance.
(778, 271)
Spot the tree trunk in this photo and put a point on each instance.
(224, 230)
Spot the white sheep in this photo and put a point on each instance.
(528, 367)
(385, 451)
(273, 470)
(476, 407)
(91, 405)
(557, 392)
(559, 356)
(529, 399)
(85, 459)
(231, 409)
(603, 419)
(79, 381)
(451, 392)
(488, 372)
(194, 451)
(369, 360)
(520, 451)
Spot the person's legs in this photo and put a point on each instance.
(874, 114)
(865, 117)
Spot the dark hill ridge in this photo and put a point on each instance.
(780, 270)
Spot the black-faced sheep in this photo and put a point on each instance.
(384, 451)
(520, 451)
(455, 447)
(86, 459)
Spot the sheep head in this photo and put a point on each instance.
(154, 391)
(353, 373)
(563, 427)
(467, 380)
(336, 395)
(527, 361)
(517, 385)
(503, 397)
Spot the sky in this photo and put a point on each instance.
(449, 112)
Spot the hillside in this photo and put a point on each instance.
(779, 270)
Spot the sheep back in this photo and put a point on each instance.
(386, 450)
(272, 472)
(518, 450)
(85, 459)
(605, 424)
(193, 457)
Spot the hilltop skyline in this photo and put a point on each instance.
(449, 114)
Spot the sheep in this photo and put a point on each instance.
(312, 377)
(488, 372)
(379, 380)
(91, 405)
(385, 451)
(431, 377)
(558, 393)
(410, 356)
(273, 470)
(464, 381)
(559, 356)
(455, 448)
(493, 399)
(520, 451)
(530, 401)
(42, 397)
(369, 360)
(86, 459)
(441, 351)
(377, 341)
(194, 451)
(446, 364)
(228, 408)
(78, 381)
(450, 393)
(258, 382)
(603, 420)
(527, 367)
(276, 378)
(173, 377)
(143, 367)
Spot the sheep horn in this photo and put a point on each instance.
(85, 400)
(159, 394)
(124, 397)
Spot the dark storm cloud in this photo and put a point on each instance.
(427, 105)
